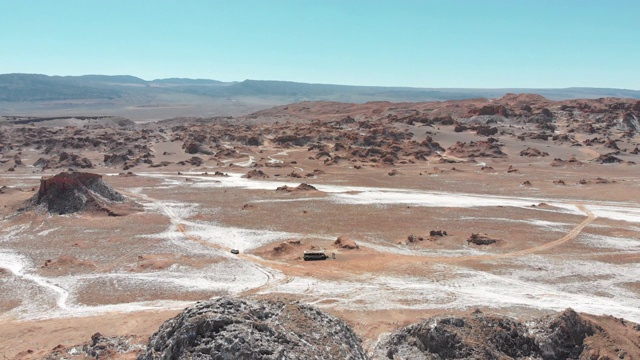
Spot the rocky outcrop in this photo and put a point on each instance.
(474, 337)
(64, 160)
(566, 335)
(562, 336)
(490, 148)
(607, 159)
(70, 192)
(196, 148)
(230, 328)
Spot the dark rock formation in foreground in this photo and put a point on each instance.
(566, 335)
(70, 192)
(230, 328)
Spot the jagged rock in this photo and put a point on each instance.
(486, 130)
(115, 159)
(70, 192)
(472, 337)
(64, 160)
(607, 159)
(196, 148)
(231, 328)
(254, 141)
(562, 336)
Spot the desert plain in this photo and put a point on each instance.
(518, 206)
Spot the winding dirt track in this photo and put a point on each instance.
(546, 246)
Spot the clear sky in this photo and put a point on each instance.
(421, 43)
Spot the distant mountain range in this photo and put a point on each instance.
(142, 100)
(36, 87)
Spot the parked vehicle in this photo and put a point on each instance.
(314, 255)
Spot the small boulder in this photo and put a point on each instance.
(345, 243)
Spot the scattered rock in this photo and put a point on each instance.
(607, 159)
(533, 152)
(345, 243)
(572, 161)
(490, 148)
(255, 174)
(482, 239)
(438, 233)
(301, 187)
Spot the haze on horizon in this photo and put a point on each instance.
(436, 44)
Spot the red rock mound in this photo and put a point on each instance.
(70, 192)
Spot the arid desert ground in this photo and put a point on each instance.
(549, 188)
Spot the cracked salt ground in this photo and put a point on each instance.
(227, 237)
(609, 242)
(229, 276)
(354, 195)
(468, 289)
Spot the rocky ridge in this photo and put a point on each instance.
(242, 328)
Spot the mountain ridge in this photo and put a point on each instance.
(20, 87)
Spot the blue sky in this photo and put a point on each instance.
(447, 43)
